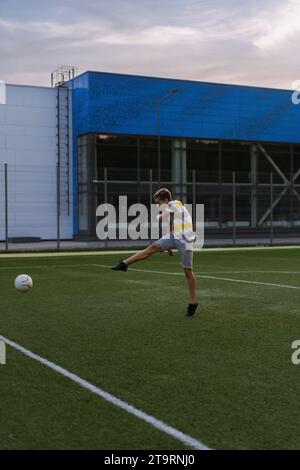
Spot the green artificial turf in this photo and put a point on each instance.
(224, 377)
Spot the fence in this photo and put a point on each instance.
(33, 208)
(235, 207)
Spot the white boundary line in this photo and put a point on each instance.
(209, 277)
(156, 423)
(56, 254)
(47, 266)
(119, 252)
(199, 273)
(249, 272)
(270, 284)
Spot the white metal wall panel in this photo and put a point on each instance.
(28, 146)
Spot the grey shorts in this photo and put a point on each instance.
(168, 242)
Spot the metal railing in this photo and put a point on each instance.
(235, 209)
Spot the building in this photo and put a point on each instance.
(117, 134)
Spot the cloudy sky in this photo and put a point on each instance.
(252, 42)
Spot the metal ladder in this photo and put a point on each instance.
(63, 147)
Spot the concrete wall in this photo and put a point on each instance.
(28, 146)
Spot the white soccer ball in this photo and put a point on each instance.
(23, 283)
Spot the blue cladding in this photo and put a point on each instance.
(80, 115)
(125, 104)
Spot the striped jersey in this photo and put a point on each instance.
(181, 220)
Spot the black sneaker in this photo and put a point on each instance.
(191, 310)
(120, 266)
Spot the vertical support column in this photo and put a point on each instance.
(105, 196)
(6, 205)
(271, 209)
(292, 186)
(92, 175)
(220, 182)
(58, 206)
(233, 209)
(150, 199)
(179, 169)
(253, 156)
(158, 144)
(150, 188)
(58, 168)
(95, 175)
(138, 169)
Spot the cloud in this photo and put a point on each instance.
(159, 35)
(279, 26)
(88, 34)
(211, 40)
(49, 29)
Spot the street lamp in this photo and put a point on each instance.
(172, 91)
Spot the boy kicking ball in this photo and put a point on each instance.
(181, 236)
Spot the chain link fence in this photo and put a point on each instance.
(33, 211)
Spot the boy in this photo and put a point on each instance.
(181, 236)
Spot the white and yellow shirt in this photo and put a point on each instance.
(181, 220)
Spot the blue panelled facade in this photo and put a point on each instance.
(126, 104)
(118, 120)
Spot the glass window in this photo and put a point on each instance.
(149, 159)
(203, 157)
(236, 158)
(119, 155)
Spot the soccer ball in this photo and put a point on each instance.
(23, 283)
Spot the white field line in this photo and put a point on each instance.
(156, 423)
(54, 266)
(119, 252)
(209, 277)
(47, 266)
(197, 274)
(200, 273)
(56, 254)
(270, 284)
(249, 272)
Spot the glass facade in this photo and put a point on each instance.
(232, 179)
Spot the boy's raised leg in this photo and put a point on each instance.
(139, 256)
